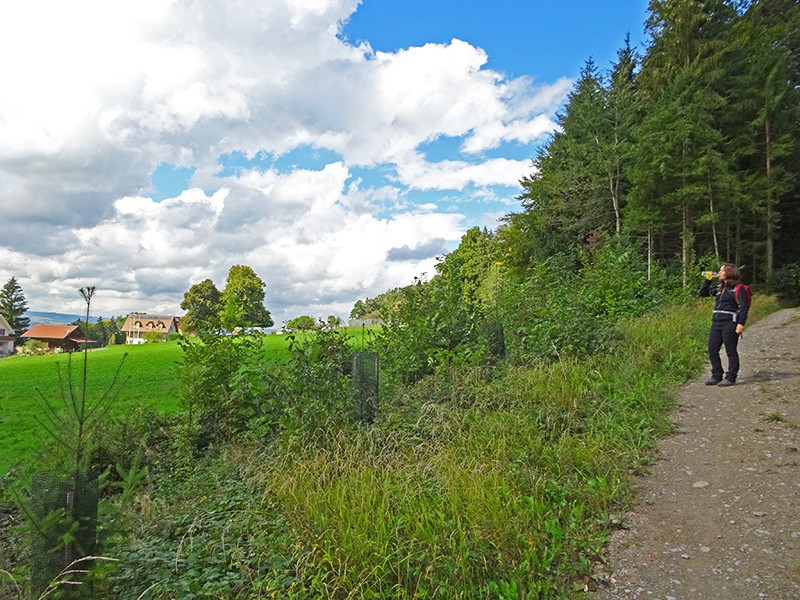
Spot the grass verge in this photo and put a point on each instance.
(504, 485)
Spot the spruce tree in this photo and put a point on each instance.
(13, 307)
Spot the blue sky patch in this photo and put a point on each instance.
(168, 181)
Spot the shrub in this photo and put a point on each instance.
(207, 388)
(313, 388)
(785, 282)
(566, 310)
(32, 347)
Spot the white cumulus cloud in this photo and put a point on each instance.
(96, 95)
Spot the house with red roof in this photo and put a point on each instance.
(57, 337)
(6, 337)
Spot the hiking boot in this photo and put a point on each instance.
(713, 381)
(726, 383)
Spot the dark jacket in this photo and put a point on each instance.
(726, 306)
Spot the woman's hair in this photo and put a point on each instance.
(732, 272)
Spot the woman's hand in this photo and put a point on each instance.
(739, 329)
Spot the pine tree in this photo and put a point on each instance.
(621, 115)
(681, 165)
(13, 307)
(566, 197)
(764, 123)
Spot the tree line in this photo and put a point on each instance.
(676, 159)
(690, 148)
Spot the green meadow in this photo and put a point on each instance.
(149, 376)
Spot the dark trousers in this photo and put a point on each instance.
(723, 332)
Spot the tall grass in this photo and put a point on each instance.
(508, 488)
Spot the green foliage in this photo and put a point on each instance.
(485, 482)
(307, 392)
(302, 323)
(333, 321)
(372, 308)
(230, 385)
(242, 300)
(207, 387)
(202, 306)
(239, 305)
(695, 151)
(430, 327)
(152, 337)
(139, 436)
(786, 282)
(473, 481)
(213, 536)
(104, 332)
(33, 347)
(563, 309)
(13, 307)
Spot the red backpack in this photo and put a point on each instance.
(747, 291)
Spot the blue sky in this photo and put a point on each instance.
(542, 39)
(336, 146)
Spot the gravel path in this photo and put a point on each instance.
(718, 515)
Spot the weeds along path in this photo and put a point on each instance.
(718, 514)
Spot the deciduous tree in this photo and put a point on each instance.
(202, 305)
(242, 300)
(302, 323)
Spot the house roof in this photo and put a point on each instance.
(155, 323)
(54, 332)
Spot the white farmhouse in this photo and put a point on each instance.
(6, 338)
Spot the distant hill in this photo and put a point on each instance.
(52, 318)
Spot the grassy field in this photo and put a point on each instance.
(149, 376)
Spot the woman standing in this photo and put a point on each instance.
(727, 322)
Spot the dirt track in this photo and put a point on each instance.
(718, 515)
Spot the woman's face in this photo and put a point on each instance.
(722, 274)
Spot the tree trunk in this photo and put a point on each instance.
(713, 218)
(770, 224)
(686, 243)
(613, 185)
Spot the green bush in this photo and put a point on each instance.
(297, 397)
(209, 365)
(140, 434)
(563, 309)
(33, 347)
(785, 282)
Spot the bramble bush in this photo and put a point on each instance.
(214, 411)
(230, 386)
